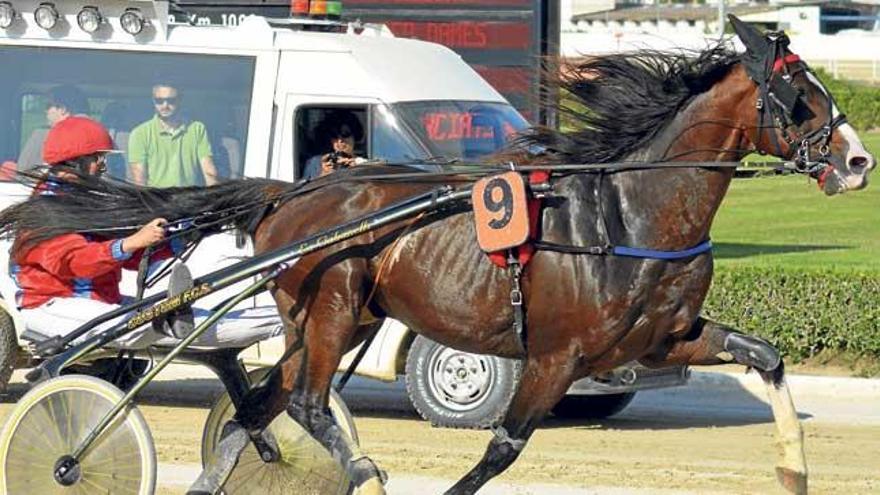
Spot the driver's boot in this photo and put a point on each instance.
(180, 322)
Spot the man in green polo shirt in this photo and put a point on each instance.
(169, 150)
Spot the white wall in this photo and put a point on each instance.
(794, 19)
(850, 47)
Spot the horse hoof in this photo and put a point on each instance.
(372, 486)
(793, 481)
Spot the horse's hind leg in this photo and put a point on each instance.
(316, 418)
(543, 383)
(257, 409)
(327, 334)
(710, 343)
(262, 403)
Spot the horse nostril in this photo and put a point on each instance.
(858, 162)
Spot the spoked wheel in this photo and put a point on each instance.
(304, 467)
(52, 419)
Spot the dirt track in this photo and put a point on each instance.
(687, 455)
(681, 452)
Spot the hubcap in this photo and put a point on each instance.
(461, 381)
(67, 471)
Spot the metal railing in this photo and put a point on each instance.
(857, 70)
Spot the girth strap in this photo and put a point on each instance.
(632, 252)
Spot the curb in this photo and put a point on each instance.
(800, 385)
(731, 396)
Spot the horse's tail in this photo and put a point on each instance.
(111, 208)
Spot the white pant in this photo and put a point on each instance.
(239, 328)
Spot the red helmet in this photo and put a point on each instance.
(74, 137)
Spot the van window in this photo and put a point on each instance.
(317, 127)
(461, 129)
(390, 141)
(116, 88)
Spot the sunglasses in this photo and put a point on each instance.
(170, 101)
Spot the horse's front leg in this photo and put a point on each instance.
(710, 343)
(544, 381)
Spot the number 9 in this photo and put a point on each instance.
(505, 204)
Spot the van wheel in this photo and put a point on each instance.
(458, 389)
(8, 348)
(592, 406)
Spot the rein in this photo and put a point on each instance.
(206, 223)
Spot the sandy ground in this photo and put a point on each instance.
(682, 453)
(688, 456)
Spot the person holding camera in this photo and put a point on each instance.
(342, 136)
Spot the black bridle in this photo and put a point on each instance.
(781, 106)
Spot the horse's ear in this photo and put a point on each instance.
(754, 40)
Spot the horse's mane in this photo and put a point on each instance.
(619, 102)
(111, 208)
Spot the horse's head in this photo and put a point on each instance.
(797, 117)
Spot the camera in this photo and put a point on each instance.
(335, 156)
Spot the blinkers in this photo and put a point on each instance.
(782, 103)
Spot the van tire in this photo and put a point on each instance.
(458, 389)
(9, 350)
(592, 406)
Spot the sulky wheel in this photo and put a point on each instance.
(50, 421)
(305, 466)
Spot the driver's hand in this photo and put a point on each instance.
(149, 235)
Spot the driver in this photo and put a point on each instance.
(68, 280)
(72, 278)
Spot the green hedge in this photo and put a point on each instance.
(859, 102)
(801, 312)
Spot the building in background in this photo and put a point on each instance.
(840, 36)
(795, 17)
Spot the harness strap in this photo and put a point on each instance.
(143, 268)
(632, 252)
(781, 62)
(516, 297)
(662, 255)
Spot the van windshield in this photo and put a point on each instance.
(206, 98)
(465, 130)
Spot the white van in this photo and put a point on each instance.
(263, 91)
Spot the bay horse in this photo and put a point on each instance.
(586, 314)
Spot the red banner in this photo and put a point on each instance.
(440, 3)
(467, 34)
